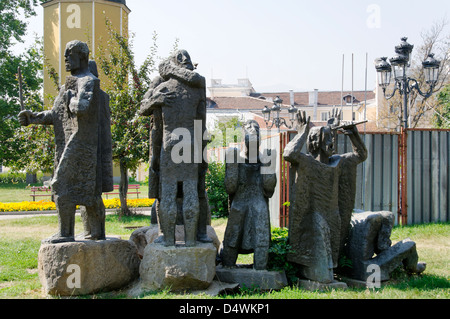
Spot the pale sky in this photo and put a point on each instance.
(281, 44)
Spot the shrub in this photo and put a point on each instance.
(278, 251)
(215, 186)
(17, 178)
(12, 178)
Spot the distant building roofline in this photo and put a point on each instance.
(124, 2)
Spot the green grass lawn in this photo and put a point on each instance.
(20, 242)
(13, 193)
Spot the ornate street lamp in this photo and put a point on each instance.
(384, 71)
(431, 69)
(399, 67)
(276, 110)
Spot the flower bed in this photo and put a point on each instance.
(137, 202)
(43, 205)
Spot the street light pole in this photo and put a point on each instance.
(277, 120)
(405, 102)
(399, 65)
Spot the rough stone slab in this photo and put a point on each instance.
(86, 267)
(355, 283)
(147, 235)
(314, 285)
(249, 277)
(140, 239)
(217, 288)
(178, 268)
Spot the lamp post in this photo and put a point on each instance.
(277, 120)
(403, 83)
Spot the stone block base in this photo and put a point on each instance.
(146, 235)
(251, 278)
(178, 268)
(314, 285)
(87, 267)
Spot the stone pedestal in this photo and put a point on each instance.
(87, 267)
(146, 235)
(251, 278)
(314, 285)
(178, 268)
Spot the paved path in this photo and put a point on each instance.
(16, 215)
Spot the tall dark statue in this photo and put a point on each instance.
(249, 188)
(176, 101)
(83, 157)
(323, 189)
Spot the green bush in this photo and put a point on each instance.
(17, 178)
(12, 178)
(278, 251)
(215, 187)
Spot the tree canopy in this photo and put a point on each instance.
(442, 115)
(15, 141)
(126, 85)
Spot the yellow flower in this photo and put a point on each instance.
(43, 205)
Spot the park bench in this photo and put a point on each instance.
(133, 187)
(40, 191)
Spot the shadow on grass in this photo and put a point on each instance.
(422, 282)
(133, 221)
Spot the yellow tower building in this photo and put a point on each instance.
(84, 20)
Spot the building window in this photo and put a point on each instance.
(324, 116)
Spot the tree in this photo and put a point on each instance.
(12, 26)
(435, 40)
(17, 146)
(225, 132)
(31, 148)
(442, 115)
(126, 85)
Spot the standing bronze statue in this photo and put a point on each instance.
(176, 101)
(249, 189)
(322, 193)
(83, 157)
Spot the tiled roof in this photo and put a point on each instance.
(256, 103)
(324, 97)
(246, 102)
(259, 100)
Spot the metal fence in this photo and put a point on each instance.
(377, 177)
(381, 178)
(428, 175)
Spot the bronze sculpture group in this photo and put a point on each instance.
(323, 195)
(322, 192)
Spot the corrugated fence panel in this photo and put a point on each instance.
(428, 176)
(273, 143)
(376, 182)
(444, 181)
